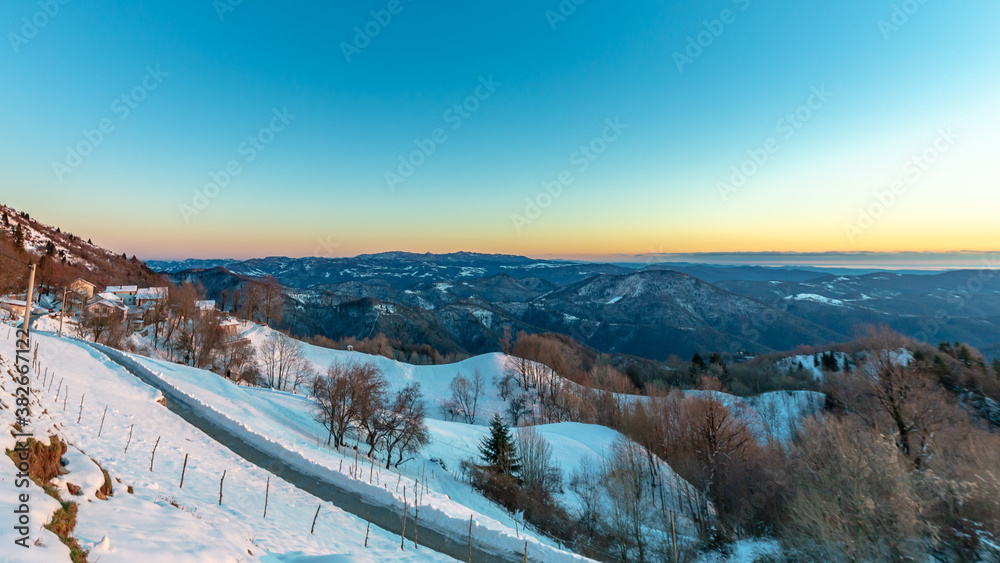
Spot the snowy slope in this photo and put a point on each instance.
(146, 526)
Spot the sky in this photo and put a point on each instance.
(240, 129)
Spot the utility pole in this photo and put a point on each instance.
(62, 314)
(27, 303)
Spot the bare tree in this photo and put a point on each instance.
(465, 394)
(104, 325)
(891, 396)
(206, 338)
(237, 355)
(334, 402)
(538, 469)
(370, 395)
(853, 499)
(404, 430)
(628, 500)
(283, 361)
(518, 406)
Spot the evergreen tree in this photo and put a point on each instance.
(498, 451)
(19, 237)
(829, 362)
(816, 360)
(6, 219)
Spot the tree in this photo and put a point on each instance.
(104, 325)
(18, 237)
(893, 397)
(698, 365)
(334, 405)
(498, 451)
(852, 497)
(206, 337)
(628, 510)
(266, 297)
(538, 469)
(465, 395)
(237, 355)
(996, 367)
(283, 361)
(518, 407)
(404, 430)
(369, 390)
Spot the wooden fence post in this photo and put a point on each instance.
(267, 493)
(101, 429)
(184, 470)
(80, 416)
(152, 457)
(313, 528)
(402, 536)
(470, 538)
(369, 527)
(129, 437)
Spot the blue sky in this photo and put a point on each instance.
(897, 85)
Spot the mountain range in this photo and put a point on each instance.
(459, 302)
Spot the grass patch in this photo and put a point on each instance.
(106, 489)
(46, 464)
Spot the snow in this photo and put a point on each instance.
(162, 522)
(146, 526)
(815, 298)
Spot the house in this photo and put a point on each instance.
(126, 292)
(230, 327)
(204, 306)
(82, 287)
(107, 304)
(149, 295)
(15, 307)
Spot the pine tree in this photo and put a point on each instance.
(697, 364)
(6, 219)
(19, 237)
(498, 451)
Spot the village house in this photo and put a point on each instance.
(107, 304)
(204, 306)
(229, 327)
(148, 296)
(15, 307)
(82, 287)
(127, 293)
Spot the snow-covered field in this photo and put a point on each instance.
(161, 521)
(160, 518)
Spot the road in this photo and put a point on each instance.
(386, 517)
